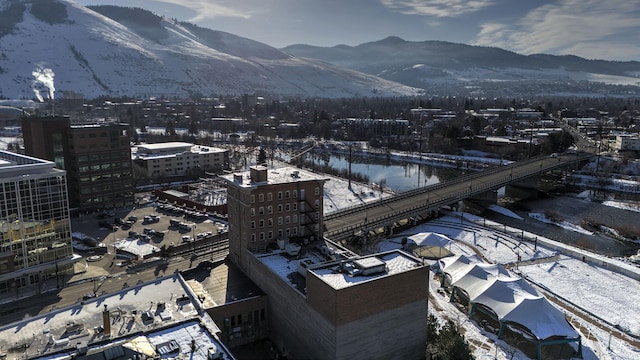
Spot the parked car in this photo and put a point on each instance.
(186, 238)
(149, 219)
(132, 218)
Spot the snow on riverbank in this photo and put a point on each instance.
(588, 285)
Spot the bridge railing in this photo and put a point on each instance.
(433, 202)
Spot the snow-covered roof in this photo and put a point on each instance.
(281, 175)
(510, 297)
(173, 314)
(136, 247)
(396, 262)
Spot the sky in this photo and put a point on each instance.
(593, 29)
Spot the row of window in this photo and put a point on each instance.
(281, 232)
(104, 156)
(287, 195)
(251, 318)
(282, 207)
(104, 167)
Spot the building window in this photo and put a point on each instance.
(279, 195)
(261, 197)
(280, 220)
(317, 191)
(295, 206)
(269, 209)
(279, 208)
(295, 219)
(287, 207)
(270, 222)
(269, 197)
(253, 237)
(287, 194)
(253, 224)
(253, 199)
(295, 194)
(253, 212)
(261, 236)
(261, 224)
(287, 220)
(317, 203)
(270, 235)
(261, 210)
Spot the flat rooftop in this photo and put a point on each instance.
(58, 334)
(331, 269)
(282, 175)
(395, 262)
(220, 283)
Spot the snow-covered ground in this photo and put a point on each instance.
(590, 286)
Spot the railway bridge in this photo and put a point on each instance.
(342, 225)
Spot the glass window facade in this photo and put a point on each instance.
(35, 229)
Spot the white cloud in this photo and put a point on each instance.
(589, 28)
(438, 8)
(207, 9)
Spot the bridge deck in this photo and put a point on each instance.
(344, 223)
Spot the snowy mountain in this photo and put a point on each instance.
(437, 65)
(52, 48)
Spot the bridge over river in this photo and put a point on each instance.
(343, 224)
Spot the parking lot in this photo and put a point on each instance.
(157, 224)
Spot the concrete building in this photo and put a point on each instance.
(97, 158)
(325, 302)
(175, 159)
(35, 229)
(627, 143)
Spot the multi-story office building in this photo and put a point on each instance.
(97, 158)
(324, 302)
(98, 164)
(176, 159)
(35, 229)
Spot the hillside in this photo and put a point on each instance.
(438, 64)
(50, 48)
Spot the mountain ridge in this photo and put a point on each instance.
(89, 54)
(423, 63)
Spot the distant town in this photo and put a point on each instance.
(219, 228)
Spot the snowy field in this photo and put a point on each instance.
(595, 289)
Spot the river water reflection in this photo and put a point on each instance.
(399, 176)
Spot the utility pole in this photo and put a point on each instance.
(350, 160)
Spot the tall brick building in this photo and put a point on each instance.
(97, 158)
(269, 205)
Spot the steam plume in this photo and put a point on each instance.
(43, 82)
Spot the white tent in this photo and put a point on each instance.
(542, 318)
(513, 301)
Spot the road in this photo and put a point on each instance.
(344, 223)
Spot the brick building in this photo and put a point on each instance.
(97, 158)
